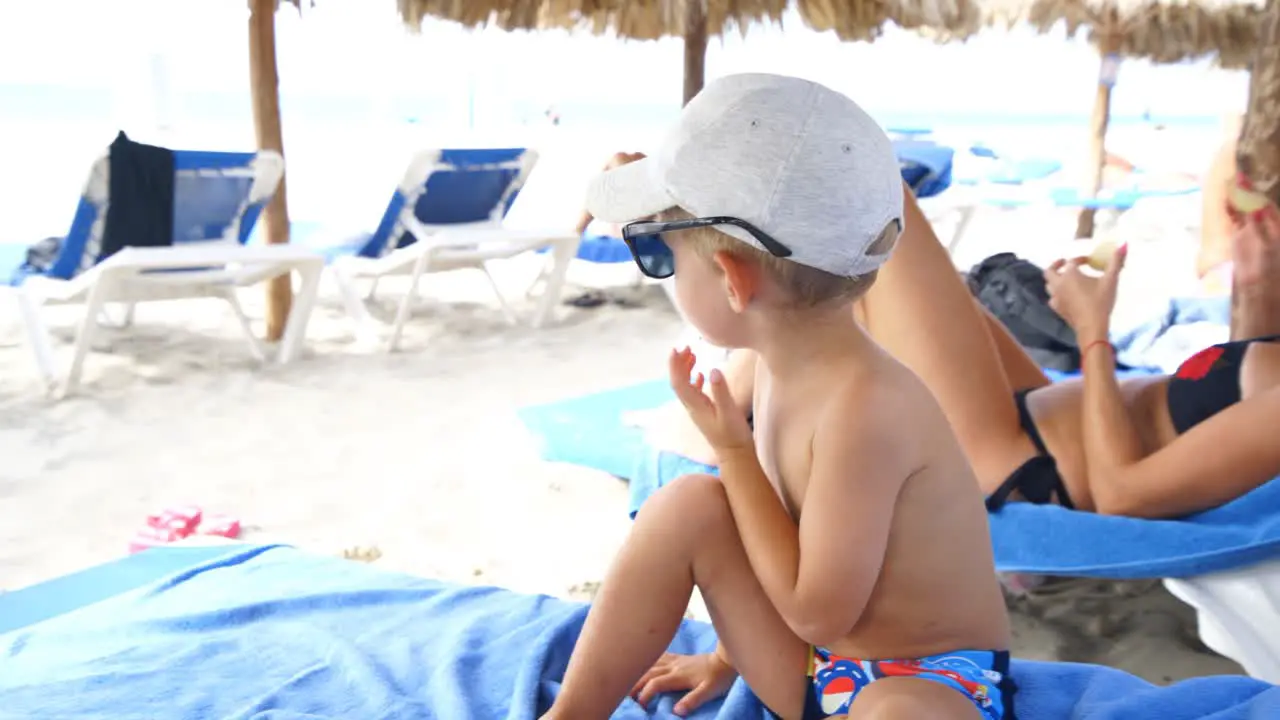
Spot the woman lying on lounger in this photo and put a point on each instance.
(1152, 447)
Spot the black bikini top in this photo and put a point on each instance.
(1208, 383)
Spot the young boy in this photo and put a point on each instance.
(843, 551)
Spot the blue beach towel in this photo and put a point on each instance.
(1044, 539)
(271, 632)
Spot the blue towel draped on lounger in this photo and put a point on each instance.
(274, 633)
(1044, 539)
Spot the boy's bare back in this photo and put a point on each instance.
(936, 590)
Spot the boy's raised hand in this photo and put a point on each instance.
(719, 419)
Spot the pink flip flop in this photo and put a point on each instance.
(168, 525)
(221, 526)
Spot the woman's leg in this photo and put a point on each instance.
(920, 311)
(618, 160)
(1019, 369)
(684, 536)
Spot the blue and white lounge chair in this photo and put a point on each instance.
(254, 631)
(218, 197)
(925, 165)
(447, 214)
(1012, 196)
(998, 181)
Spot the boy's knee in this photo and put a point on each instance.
(697, 498)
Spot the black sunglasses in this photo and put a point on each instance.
(653, 257)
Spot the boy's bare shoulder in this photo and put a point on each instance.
(881, 393)
(880, 408)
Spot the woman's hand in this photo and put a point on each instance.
(1085, 301)
(717, 417)
(706, 677)
(1255, 250)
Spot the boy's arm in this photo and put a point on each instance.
(820, 573)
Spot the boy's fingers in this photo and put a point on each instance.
(692, 700)
(679, 373)
(720, 390)
(658, 685)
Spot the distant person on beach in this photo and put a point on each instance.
(618, 160)
(1153, 447)
(842, 549)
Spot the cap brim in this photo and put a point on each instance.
(628, 192)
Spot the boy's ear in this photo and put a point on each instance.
(741, 278)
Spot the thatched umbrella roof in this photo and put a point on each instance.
(852, 20)
(1158, 30)
(1163, 31)
(696, 20)
(653, 19)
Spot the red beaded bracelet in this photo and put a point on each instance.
(1084, 352)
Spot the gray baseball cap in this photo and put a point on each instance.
(796, 159)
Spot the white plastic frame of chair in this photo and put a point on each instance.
(215, 269)
(1238, 612)
(459, 246)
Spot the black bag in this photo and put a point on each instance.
(1014, 291)
(42, 255)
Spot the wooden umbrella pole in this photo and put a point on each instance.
(265, 82)
(1098, 137)
(695, 48)
(1258, 159)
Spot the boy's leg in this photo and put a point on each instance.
(922, 313)
(684, 536)
(911, 699)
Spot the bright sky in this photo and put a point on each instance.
(358, 47)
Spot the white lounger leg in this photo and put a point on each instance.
(564, 250)
(402, 313)
(37, 334)
(304, 303)
(1239, 614)
(255, 347)
(98, 295)
(962, 226)
(354, 303)
(497, 291)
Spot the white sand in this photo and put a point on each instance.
(418, 453)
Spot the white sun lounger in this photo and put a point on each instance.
(447, 214)
(217, 198)
(1239, 614)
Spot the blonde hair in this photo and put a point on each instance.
(805, 286)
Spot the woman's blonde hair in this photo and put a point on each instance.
(806, 286)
